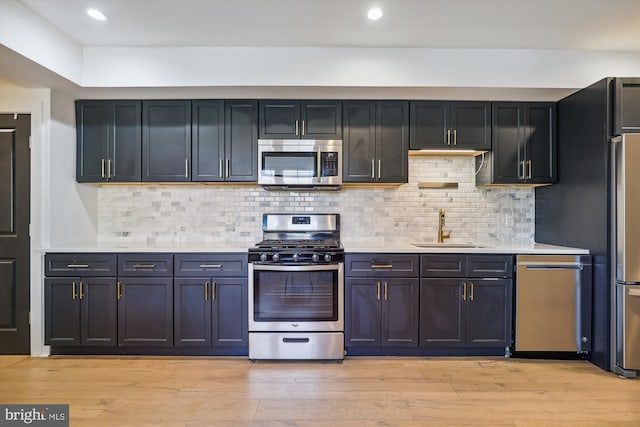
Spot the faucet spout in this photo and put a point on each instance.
(441, 234)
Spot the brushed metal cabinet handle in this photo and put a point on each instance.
(303, 128)
(464, 291)
(296, 127)
(378, 291)
(448, 136)
(77, 265)
(227, 169)
(471, 293)
(210, 265)
(373, 168)
(81, 290)
(386, 295)
(186, 168)
(206, 291)
(379, 168)
(220, 169)
(73, 291)
(109, 163)
(381, 266)
(119, 290)
(103, 163)
(213, 290)
(144, 266)
(455, 137)
(529, 164)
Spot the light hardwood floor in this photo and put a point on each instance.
(140, 391)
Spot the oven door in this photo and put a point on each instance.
(296, 298)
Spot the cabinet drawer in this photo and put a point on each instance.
(443, 265)
(381, 265)
(211, 264)
(490, 266)
(145, 265)
(80, 264)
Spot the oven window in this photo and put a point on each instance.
(289, 164)
(310, 296)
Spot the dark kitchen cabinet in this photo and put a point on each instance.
(465, 301)
(376, 141)
(80, 310)
(109, 141)
(450, 125)
(626, 105)
(145, 300)
(210, 300)
(293, 119)
(225, 141)
(166, 140)
(381, 309)
(523, 147)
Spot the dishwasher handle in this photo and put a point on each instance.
(551, 266)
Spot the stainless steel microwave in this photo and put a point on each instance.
(300, 164)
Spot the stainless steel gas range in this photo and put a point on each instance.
(296, 288)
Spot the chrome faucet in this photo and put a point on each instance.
(441, 234)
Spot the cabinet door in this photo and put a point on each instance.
(279, 119)
(207, 145)
(192, 312)
(166, 141)
(125, 142)
(93, 122)
(145, 312)
(508, 133)
(359, 144)
(429, 123)
(488, 313)
(62, 311)
(229, 312)
(362, 312)
(541, 143)
(241, 141)
(321, 120)
(400, 313)
(442, 314)
(392, 141)
(627, 105)
(98, 311)
(471, 125)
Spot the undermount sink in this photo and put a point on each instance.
(447, 245)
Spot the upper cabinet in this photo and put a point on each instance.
(376, 141)
(450, 125)
(291, 119)
(523, 147)
(166, 141)
(627, 105)
(225, 139)
(109, 138)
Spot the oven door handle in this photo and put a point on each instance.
(321, 267)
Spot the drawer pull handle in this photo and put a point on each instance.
(210, 265)
(77, 265)
(295, 340)
(144, 266)
(381, 265)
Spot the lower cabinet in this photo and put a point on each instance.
(145, 311)
(80, 311)
(210, 312)
(382, 312)
(465, 301)
(465, 312)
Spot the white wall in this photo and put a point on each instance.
(410, 67)
(35, 102)
(74, 207)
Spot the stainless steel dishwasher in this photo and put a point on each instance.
(553, 303)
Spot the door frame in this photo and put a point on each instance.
(37, 103)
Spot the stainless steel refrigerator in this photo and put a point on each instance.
(625, 251)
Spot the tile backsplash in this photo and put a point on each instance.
(233, 213)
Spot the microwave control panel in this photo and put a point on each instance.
(329, 163)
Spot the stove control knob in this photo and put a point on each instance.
(315, 257)
(327, 257)
(275, 258)
(296, 257)
(263, 257)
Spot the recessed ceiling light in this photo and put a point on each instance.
(96, 14)
(374, 13)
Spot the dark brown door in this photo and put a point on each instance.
(14, 233)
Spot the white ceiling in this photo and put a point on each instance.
(609, 25)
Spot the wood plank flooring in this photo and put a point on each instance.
(404, 392)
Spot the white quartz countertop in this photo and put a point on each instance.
(227, 247)
(402, 247)
(389, 247)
